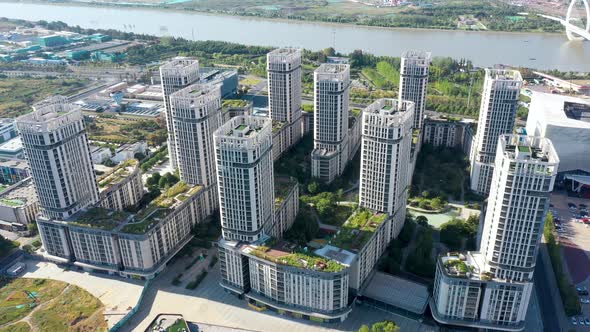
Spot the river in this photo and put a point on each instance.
(535, 50)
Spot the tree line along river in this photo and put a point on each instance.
(535, 50)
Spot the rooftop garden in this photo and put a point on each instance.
(522, 148)
(276, 126)
(235, 103)
(101, 218)
(356, 112)
(119, 173)
(457, 267)
(299, 259)
(12, 202)
(358, 229)
(283, 186)
(160, 207)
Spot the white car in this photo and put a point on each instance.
(574, 321)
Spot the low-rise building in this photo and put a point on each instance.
(118, 242)
(13, 170)
(122, 187)
(100, 153)
(12, 149)
(19, 204)
(286, 205)
(7, 130)
(452, 133)
(128, 151)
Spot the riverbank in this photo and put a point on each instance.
(485, 49)
(327, 19)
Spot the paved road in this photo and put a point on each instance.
(547, 294)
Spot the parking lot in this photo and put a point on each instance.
(574, 237)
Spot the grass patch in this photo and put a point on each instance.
(18, 94)
(178, 326)
(15, 303)
(340, 214)
(70, 311)
(18, 327)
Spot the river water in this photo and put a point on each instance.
(536, 50)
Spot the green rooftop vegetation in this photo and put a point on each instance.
(456, 267)
(235, 103)
(101, 218)
(356, 112)
(276, 126)
(358, 229)
(241, 127)
(522, 148)
(118, 173)
(160, 207)
(283, 186)
(12, 202)
(300, 259)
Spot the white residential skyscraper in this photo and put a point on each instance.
(56, 147)
(196, 114)
(175, 75)
(385, 158)
(330, 133)
(413, 84)
(283, 68)
(243, 150)
(491, 289)
(499, 103)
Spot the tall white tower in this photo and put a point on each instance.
(413, 82)
(196, 114)
(175, 75)
(491, 289)
(243, 150)
(56, 147)
(497, 113)
(385, 158)
(283, 68)
(330, 134)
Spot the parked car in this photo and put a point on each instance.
(571, 205)
(581, 320)
(587, 321)
(582, 205)
(574, 321)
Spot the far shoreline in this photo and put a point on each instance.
(128, 6)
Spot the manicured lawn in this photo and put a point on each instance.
(178, 326)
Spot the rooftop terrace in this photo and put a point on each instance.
(160, 208)
(289, 254)
(144, 220)
(358, 229)
(283, 186)
(118, 174)
(101, 218)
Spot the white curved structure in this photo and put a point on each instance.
(571, 33)
(574, 32)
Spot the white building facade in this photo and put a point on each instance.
(284, 91)
(196, 114)
(330, 133)
(385, 157)
(492, 288)
(243, 151)
(414, 70)
(175, 75)
(497, 113)
(57, 150)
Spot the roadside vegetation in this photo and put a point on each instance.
(385, 326)
(567, 291)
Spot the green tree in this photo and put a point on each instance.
(364, 328)
(313, 188)
(168, 180)
(385, 326)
